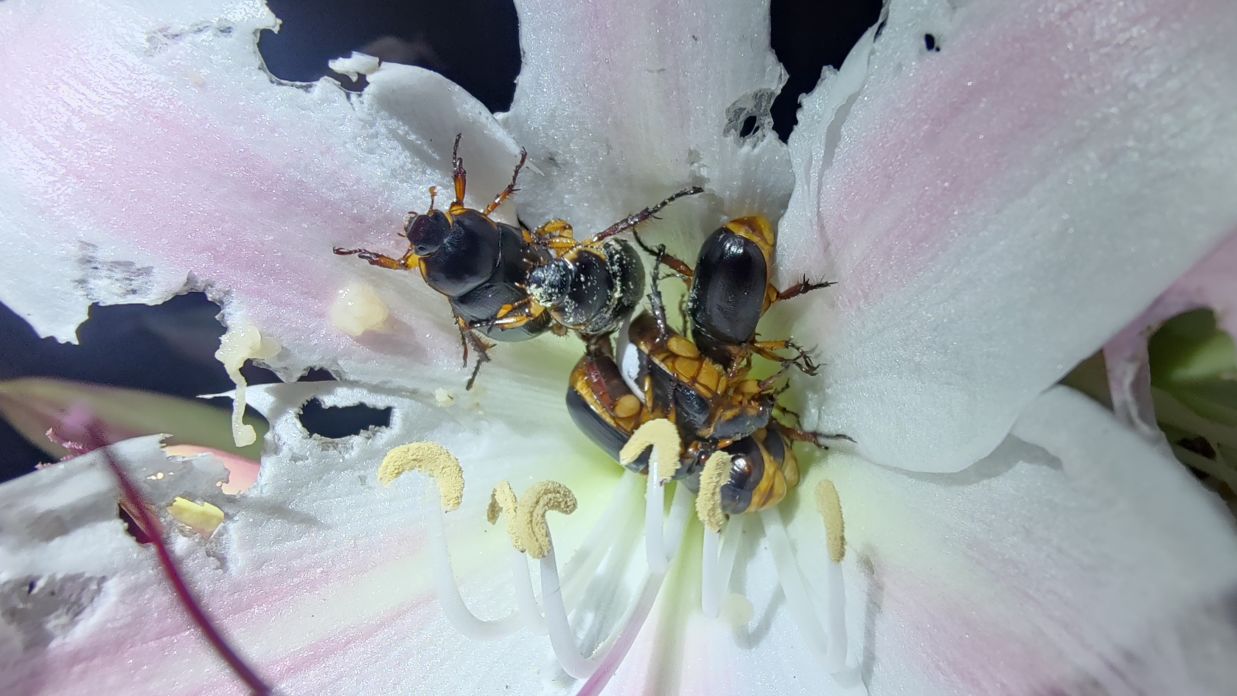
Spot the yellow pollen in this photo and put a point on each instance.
(431, 459)
(663, 437)
(830, 508)
(202, 517)
(531, 533)
(709, 500)
(503, 503)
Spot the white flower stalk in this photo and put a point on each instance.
(993, 212)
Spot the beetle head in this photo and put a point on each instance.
(426, 232)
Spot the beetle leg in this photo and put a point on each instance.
(656, 305)
(802, 358)
(794, 416)
(802, 287)
(511, 189)
(405, 262)
(557, 235)
(509, 319)
(631, 221)
(814, 438)
(459, 177)
(675, 264)
(467, 338)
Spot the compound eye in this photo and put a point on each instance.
(427, 232)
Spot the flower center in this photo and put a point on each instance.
(817, 604)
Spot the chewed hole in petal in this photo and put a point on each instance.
(342, 421)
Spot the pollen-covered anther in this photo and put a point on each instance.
(709, 500)
(503, 502)
(663, 437)
(531, 533)
(431, 459)
(830, 508)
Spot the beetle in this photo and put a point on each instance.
(483, 267)
(730, 289)
(763, 465)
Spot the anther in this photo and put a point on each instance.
(503, 502)
(531, 532)
(709, 500)
(830, 508)
(663, 437)
(431, 459)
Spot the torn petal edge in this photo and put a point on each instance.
(1210, 284)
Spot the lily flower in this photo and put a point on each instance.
(994, 209)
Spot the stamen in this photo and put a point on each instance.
(431, 459)
(798, 599)
(534, 539)
(503, 502)
(710, 582)
(803, 609)
(663, 437)
(709, 500)
(601, 538)
(562, 637)
(435, 461)
(717, 565)
(525, 600)
(830, 508)
(531, 528)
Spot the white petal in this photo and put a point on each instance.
(993, 212)
(1075, 559)
(1211, 284)
(147, 152)
(620, 104)
(318, 574)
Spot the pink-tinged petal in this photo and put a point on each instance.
(148, 152)
(1076, 558)
(242, 472)
(994, 211)
(621, 103)
(36, 406)
(1210, 284)
(318, 574)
